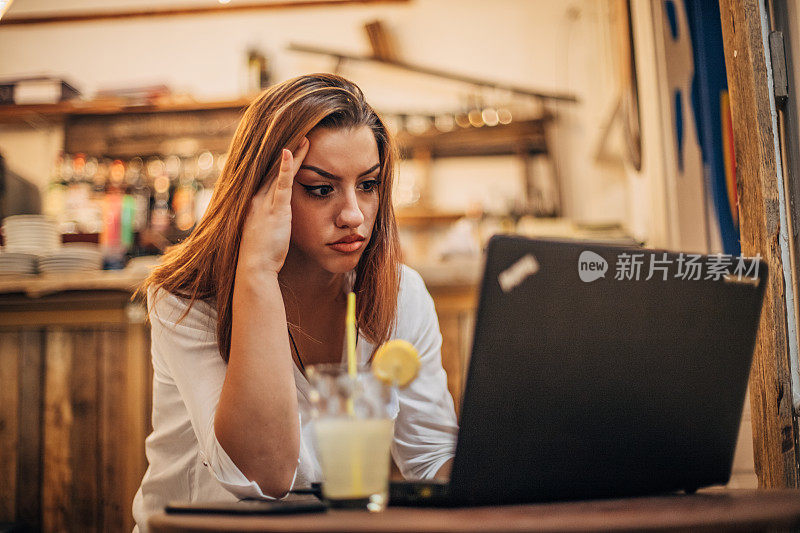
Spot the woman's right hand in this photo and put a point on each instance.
(268, 227)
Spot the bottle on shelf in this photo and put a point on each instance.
(132, 206)
(111, 237)
(56, 194)
(140, 192)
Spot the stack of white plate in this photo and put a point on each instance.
(17, 264)
(72, 257)
(36, 234)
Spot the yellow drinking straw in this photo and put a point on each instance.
(350, 328)
(352, 370)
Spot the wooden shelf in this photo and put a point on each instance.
(88, 126)
(421, 218)
(525, 136)
(19, 114)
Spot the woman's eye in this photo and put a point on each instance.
(370, 185)
(319, 191)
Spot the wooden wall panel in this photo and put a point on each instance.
(75, 402)
(774, 430)
(57, 503)
(455, 307)
(115, 434)
(84, 401)
(9, 424)
(30, 446)
(452, 360)
(88, 435)
(139, 380)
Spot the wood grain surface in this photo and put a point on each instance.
(455, 308)
(74, 411)
(9, 423)
(29, 447)
(93, 16)
(57, 504)
(708, 511)
(37, 286)
(84, 398)
(774, 433)
(116, 435)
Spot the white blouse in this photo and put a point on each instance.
(186, 461)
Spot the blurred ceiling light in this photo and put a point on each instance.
(135, 164)
(444, 122)
(490, 117)
(4, 5)
(161, 184)
(224, 1)
(475, 118)
(205, 161)
(221, 158)
(117, 172)
(504, 116)
(392, 123)
(462, 120)
(417, 124)
(90, 169)
(172, 165)
(155, 167)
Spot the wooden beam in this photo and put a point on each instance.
(774, 433)
(435, 72)
(95, 16)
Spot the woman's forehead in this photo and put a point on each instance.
(342, 150)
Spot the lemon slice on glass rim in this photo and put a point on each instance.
(396, 362)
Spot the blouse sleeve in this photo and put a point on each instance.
(185, 349)
(425, 428)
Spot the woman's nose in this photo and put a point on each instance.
(350, 215)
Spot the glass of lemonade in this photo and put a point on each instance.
(353, 432)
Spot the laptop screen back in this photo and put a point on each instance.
(587, 379)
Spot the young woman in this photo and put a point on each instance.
(300, 215)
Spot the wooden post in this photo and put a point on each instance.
(9, 423)
(774, 433)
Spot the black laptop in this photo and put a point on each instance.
(600, 371)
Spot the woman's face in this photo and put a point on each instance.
(335, 199)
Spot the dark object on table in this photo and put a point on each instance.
(417, 493)
(591, 377)
(315, 490)
(249, 507)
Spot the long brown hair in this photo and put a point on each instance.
(203, 266)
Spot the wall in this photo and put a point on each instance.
(549, 46)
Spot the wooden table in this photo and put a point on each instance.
(713, 510)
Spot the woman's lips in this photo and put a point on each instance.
(347, 247)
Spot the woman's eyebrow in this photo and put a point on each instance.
(326, 174)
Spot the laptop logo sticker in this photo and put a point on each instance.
(523, 268)
(591, 266)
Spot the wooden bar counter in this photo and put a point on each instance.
(76, 393)
(75, 382)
